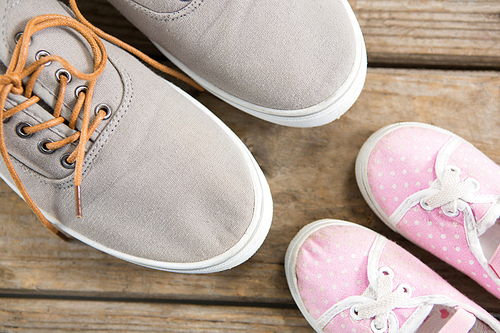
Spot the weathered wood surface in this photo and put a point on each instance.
(21, 315)
(444, 33)
(430, 33)
(310, 171)
(311, 174)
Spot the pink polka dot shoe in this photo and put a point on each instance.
(347, 278)
(440, 192)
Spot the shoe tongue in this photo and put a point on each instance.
(165, 6)
(494, 262)
(443, 319)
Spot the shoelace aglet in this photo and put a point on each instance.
(78, 201)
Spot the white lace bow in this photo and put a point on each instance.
(450, 192)
(382, 301)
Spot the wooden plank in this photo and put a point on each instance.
(22, 315)
(311, 174)
(445, 33)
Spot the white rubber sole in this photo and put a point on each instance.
(291, 258)
(239, 253)
(317, 115)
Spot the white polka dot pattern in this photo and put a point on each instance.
(331, 266)
(402, 163)
(473, 163)
(341, 257)
(409, 270)
(396, 164)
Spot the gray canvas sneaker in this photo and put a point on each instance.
(291, 62)
(162, 182)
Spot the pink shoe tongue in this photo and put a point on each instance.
(495, 262)
(442, 321)
(461, 322)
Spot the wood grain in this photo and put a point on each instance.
(446, 33)
(47, 285)
(398, 33)
(311, 174)
(22, 315)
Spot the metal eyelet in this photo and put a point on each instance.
(65, 163)
(386, 271)
(451, 213)
(80, 89)
(452, 168)
(406, 289)
(20, 132)
(42, 147)
(42, 53)
(17, 37)
(354, 313)
(62, 71)
(425, 205)
(378, 330)
(473, 182)
(104, 107)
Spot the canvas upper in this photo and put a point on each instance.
(164, 183)
(439, 191)
(296, 63)
(347, 278)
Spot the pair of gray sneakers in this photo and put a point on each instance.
(156, 178)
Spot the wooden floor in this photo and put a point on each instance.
(433, 61)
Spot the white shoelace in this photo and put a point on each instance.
(383, 301)
(451, 190)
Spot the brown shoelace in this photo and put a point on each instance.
(11, 82)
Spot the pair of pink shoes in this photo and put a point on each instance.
(438, 191)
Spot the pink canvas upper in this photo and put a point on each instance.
(331, 266)
(402, 163)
